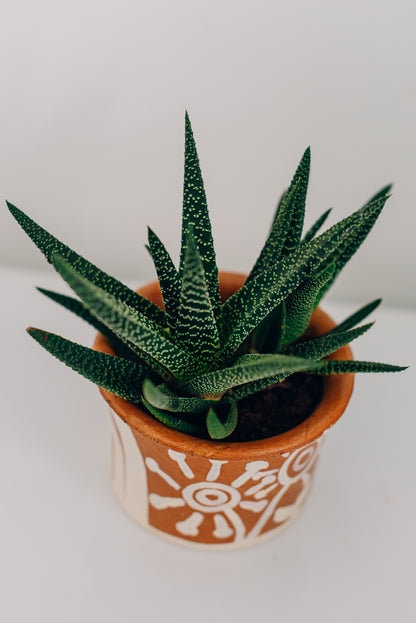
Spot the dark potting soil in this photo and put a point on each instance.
(278, 409)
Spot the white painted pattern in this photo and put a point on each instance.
(190, 526)
(221, 500)
(161, 502)
(209, 497)
(214, 472)
(180, 459)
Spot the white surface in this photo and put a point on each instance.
(68, 553)
(91, 124)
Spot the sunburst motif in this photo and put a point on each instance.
(222, 501)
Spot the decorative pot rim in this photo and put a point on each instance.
(336, 394)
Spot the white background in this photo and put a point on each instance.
(91, 124)
(91, 146)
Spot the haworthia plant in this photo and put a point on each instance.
(191, 363)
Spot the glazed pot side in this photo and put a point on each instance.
(217, 494)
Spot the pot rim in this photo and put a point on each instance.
(336, 394)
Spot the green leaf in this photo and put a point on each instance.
(82, 312)
(301, 180)
(278, 208)
(324, 367)
(356, 317)
(243, 311)
(268, 336)
(385, 191)
(128, 324)
(345, 367)
(301, 303)
(195, 328)
(321, 220)
(162, 397)
(189, 428)
(220, 430)
(358, 226)
(254, 387)
(271, 252)
(327, 344)
(118, 376)
(247, 368)
(195, 215)
(167, 275)
(248, 307)
(284, 236)
(49, 245)
(310, 234)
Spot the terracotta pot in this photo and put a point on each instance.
(216, 494)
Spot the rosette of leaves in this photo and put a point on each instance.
(190, 363)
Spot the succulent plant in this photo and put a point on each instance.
(191, 363)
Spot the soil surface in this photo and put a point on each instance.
(278, 409)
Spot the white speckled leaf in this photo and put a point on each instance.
(246, 369)
(357, 227)
(167, 275)
(128, 324)
(311, 233)
(301, 303)
(118, 376)
(80, 310)
(345, 367)
(271, 251)
(244, 311)
(162, 397)
(49, 245)
(300, 180)
(195, 216)
(356, 317)
(195, 327)
(320, 347)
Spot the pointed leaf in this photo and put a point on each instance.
(385, 191)
(254, 387)
(195, 328)
(166, 274)
(311, 233)
(162, 397)
(325, 367)
(327, 344)
(189, 428)
(351, 243)
(356, 317)
(128, 324)
(301, 179)
(271, 251)
(82, 312)
(246, 369)
(118, 376)
(346, 367)
(301, 303)
(269, 334)
(220, 430)
(195, 215)
(245, 309)
(278, 208)
(50, 245)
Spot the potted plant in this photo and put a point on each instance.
(221, 386)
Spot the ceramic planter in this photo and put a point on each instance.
(217, 494)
